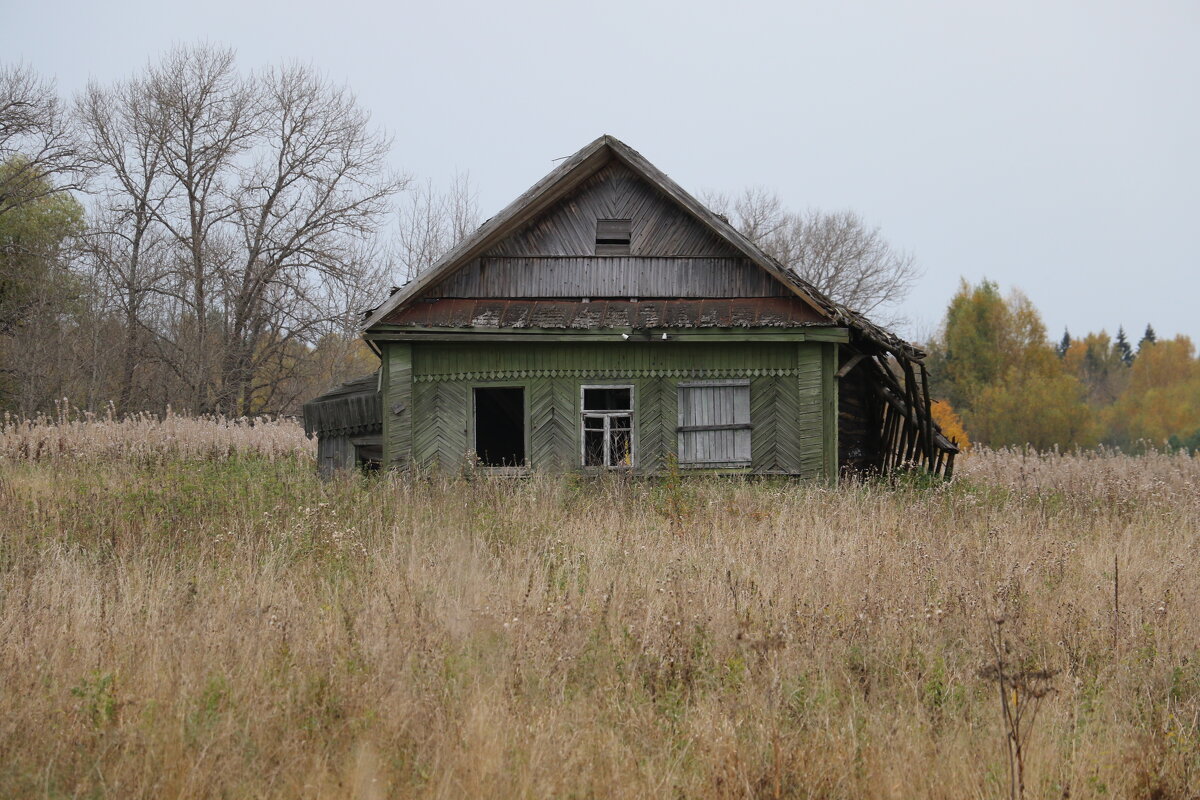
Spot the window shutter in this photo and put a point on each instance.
(714, 423)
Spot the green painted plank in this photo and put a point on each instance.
(460, 361)
(764, 394)
(829, 403)
(397, 403)
(425, 431)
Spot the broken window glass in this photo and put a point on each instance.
(608, 426)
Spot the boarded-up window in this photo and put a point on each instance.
(612, 237)
(714, 423)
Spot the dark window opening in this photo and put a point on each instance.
(370, 456)
(613, 236)
(500, 426)
(607, 398)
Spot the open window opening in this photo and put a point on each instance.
(368, 452)
(613, 236)
(607, 413)
(500, 426)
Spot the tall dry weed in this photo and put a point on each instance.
(77, 435)
(236, 628)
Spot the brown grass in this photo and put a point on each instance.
(76, 435)
(235, 629)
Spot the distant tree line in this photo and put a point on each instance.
(998, 374)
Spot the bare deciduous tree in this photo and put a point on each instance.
(836, 252)
(237, 212)
(36, 139)
(126, 246)
(305, 208)
(203, 112)
(432, 222)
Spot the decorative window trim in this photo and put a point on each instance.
(602, 374)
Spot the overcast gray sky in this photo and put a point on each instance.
(1048, 145)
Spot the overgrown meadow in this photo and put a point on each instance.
(188, 612)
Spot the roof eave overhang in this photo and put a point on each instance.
(414, 333)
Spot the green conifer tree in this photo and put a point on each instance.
(1123, 347)
(1064, 345)
(1149, 337)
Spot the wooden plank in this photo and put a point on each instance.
(763, 413)
(927, 417)
(729, 426)
(554, 424)
(710, 429)
(651, 446)
(849, 365)
(397, 409)
(425, 433)
(796, 429)
(609, 274)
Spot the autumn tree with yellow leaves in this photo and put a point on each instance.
(993, 365)
(1163, 396)
(992, 362)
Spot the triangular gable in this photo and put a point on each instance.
(567, 178)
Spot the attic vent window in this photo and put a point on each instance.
(612, 237)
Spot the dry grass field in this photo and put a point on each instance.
(191, 614)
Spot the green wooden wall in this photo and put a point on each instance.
(428, 416)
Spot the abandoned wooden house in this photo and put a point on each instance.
(607, 320)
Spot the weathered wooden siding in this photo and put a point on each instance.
(501, 361)
(713, 409)
(786, 396)
(397, 403)
(660, 227)
(671, 254)
(335, 454)
(654, 430)
(611, 276)
(440, 433)
(788, 436)
(829, 410)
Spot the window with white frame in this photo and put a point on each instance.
(607, 426)
(714, 423)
